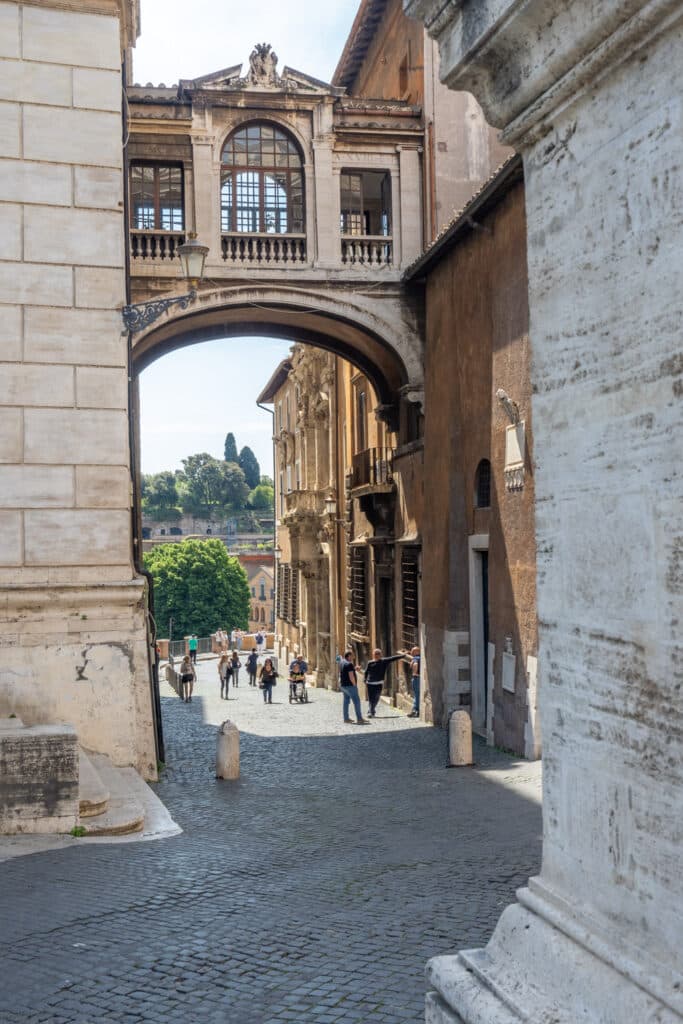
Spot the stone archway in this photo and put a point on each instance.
(374, 328)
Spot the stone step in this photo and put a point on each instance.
(93, 796)
(124, 812)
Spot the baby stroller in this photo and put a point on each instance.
(297, 685)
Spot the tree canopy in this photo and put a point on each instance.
(230, 449)
(199, 585)
(160, 495)
(248, 463)
(262, 497)
(210, 486)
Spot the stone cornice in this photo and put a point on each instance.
(522, 59)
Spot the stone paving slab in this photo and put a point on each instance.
(312, 890)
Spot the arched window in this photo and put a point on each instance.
(263, 615)
(482, 485)
(262, 182)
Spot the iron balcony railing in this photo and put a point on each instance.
(263, 249)
(367, 250)
(372, 467)
(155, 245)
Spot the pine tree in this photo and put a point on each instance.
(230, 449)
(248, 463)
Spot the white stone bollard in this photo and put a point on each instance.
(228, 751)
(460, 739)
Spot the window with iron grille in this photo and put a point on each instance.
(359, 591)
(287, 593)
(410, 598)
(262, 183)
(482, 485)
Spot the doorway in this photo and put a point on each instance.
(479, 629)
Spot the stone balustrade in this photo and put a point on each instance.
(367, 250)
(155, 245)
(254, 248)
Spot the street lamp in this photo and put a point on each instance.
(330, 506)
(192, 255)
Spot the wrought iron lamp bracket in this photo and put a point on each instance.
(140, 315)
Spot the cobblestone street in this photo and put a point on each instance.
(312, 891)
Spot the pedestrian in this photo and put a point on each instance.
(260, 641)
(252, 666)
(240, 637)
(267, 678)
(235, 666)
(187, 678)
(298, 667)
(192, 644)
(224, 673)
(414, 658)
(374, 674)
(348, 683)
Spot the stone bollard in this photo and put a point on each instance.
(228, 751)
(460, 739)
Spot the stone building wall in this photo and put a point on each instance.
(71, 607)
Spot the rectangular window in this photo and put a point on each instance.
(156, 197)
(365, 203)
(361, 419)
(359, 591)
(410, 598)
(262, 592)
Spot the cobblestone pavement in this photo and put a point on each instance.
(312, 891)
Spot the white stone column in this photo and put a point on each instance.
(590, 93)
(326, 209)
(67, 582)
(207, 202)
(410, 224)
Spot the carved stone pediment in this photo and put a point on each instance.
(262, 75)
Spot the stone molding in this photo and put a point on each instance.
(61, 596)
(520, 76)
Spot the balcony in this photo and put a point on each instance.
(311, 503)
(372, 469)
(254, 250)
(366, 250)
(155, 245)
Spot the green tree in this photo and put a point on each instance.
(230, 449)
(248, 463)
(267, 480)
(211, 487)
(160, 495)
(200, 585)
(262, 496)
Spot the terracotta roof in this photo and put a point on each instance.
(488, 195)
(358, 42)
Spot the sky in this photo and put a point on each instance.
(191, 398)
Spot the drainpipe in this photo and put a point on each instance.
(152, 655)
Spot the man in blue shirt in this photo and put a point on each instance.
(348, 683)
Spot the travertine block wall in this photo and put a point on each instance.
(72, 655)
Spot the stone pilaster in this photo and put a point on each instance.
(590, 94)
(72, 612)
